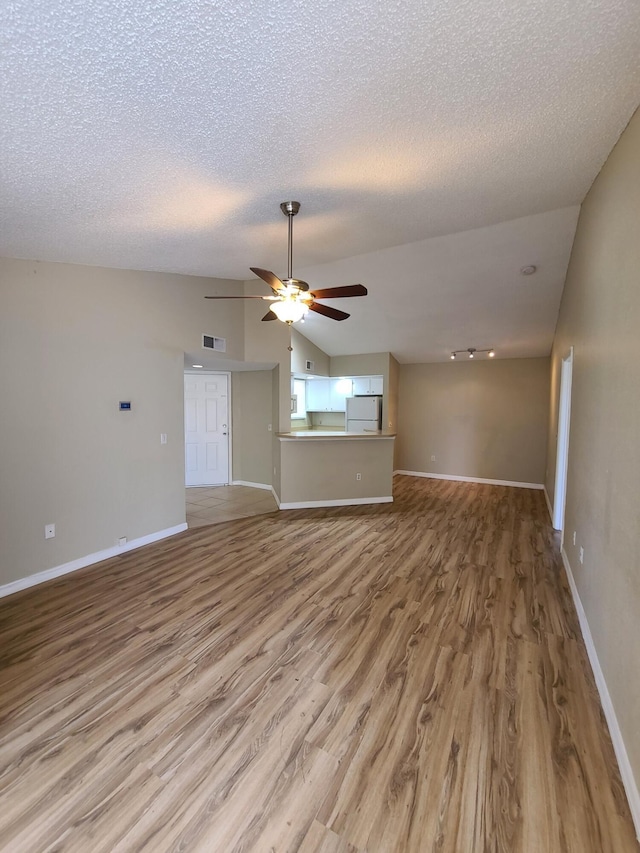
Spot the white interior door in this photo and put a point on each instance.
(206, 431)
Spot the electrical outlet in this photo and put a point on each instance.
(163, 438)
(574, 537)
(122, 541)
(358, 476)
(269, 427)
(49, 531)
(581, 554)
(433, 458)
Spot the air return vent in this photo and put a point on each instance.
(211, 342)
(309, 365)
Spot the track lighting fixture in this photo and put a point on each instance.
(471, 352)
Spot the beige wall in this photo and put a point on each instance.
(74, 341)
(318, 470)
(600, 318)
(366, 364)
(251, 396)
(392, 401)
(479, 419)
(328, 420)
(303, 349)
(270, 342)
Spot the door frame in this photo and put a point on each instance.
(196, 372)
(562, 446)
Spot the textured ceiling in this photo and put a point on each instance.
(161, 134)
(450, 293)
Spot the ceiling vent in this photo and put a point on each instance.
(211, 342)
(309, 365)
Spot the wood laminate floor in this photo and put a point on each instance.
(402, 677)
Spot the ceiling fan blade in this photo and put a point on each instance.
(266, 275)
(327, 311)
(269, 316)
(238, 297)
(337, 292)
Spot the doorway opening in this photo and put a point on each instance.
(562, 457)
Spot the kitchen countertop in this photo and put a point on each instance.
(335, 434)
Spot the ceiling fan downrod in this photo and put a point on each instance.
(290, 208)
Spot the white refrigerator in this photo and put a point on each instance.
(364, 414)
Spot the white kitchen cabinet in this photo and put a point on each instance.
(339, 390)
(367, 385)
(375, 384)
(328, 395)
(318, 391)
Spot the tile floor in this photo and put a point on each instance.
(213, 504)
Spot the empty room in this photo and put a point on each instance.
(319, 427)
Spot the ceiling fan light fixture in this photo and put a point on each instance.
(289, 310)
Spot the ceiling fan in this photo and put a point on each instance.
(291, 298)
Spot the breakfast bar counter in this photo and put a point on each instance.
(322, 468)
(338, 434)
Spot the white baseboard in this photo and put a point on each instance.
(472, 479)
(251, 485)
(626, 772)
(341, 502)
(276, 497)
(549, 507)
(89, 560)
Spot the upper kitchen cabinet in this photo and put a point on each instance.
(369, 385)
(328, 395)
(339, 390)
(318, 395)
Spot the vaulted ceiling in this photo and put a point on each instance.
(436, 146)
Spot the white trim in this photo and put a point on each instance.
(562, 443)
(89, 560)
(275, 496)
(340, 502)
(626, 772)
(549, 507)
(472, 479)
(251, 485)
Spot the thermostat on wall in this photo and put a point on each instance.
(125, 405)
